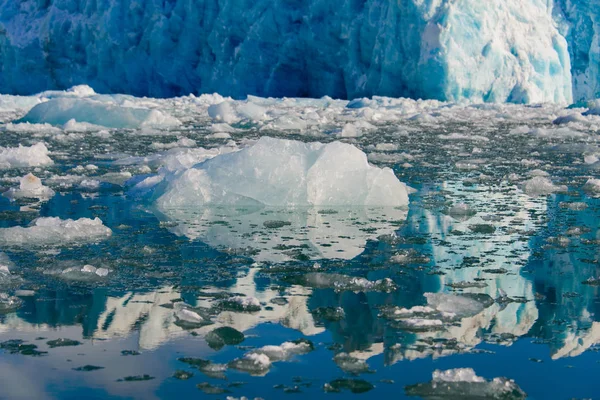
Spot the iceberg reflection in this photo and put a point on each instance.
(279, 234)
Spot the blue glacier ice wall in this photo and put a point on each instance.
(580, 24)
(493, 50)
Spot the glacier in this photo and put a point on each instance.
(495, 51)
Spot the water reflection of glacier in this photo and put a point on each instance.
(469, 258)
(456, 248)
(279, 234)
(159, 323)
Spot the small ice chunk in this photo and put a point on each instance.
(24, 157)
(30, 187)
(460, 211)
(9, 303)
(591, 158)
(241, 303)
(342, 283)
(89, 268)
(251, 111)
(222, 112)
(185, 314)
(6, 265)
(103, 111)
(457, 375)
(86, 273)
(350, 130)
(90, 184)
(463, 383)
(351, 365)
(252, 363)
(55, 232)
(592, 186)
(463, 305)
(540, 186)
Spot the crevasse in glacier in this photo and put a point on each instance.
(579, 22)
(442, 49)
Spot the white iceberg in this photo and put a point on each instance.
(102, 111)
(463, 383)
(24, 156)
(277, 172)
(54, 232)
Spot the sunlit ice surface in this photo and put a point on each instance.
(133, 267)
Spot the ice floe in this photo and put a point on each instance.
(53, 231)
(24, 156)
(278, 172)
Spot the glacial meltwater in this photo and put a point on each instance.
(388, 248)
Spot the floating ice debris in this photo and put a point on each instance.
(136, 378)
(88, 272)
(102, 111)
(442, 311)
(466, 285)
(181, 142)
(54, 231)
(24, 157)
(6, 265)
(353, 385)
(63, 342)
(540, 186)
(258, 361)
(342, 283)
(187, 317)
(351, 365)
(485, 229)
(211, 389)
(241, 303)
(87, 368)
(462, 383)
(405, 257)
(592, 187)
(575, 206)
(213, 370)
(459, 305)
(90, 184)
(461, 136)
(30, 187)
(182, 375)
(329, 313)
(279, 172)
(457, 375)
(286, 350)
(252, 363)
(15, 346)
(355, 129)
(9, 303)
(223, 336)
(461, 211)
(592, 281)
